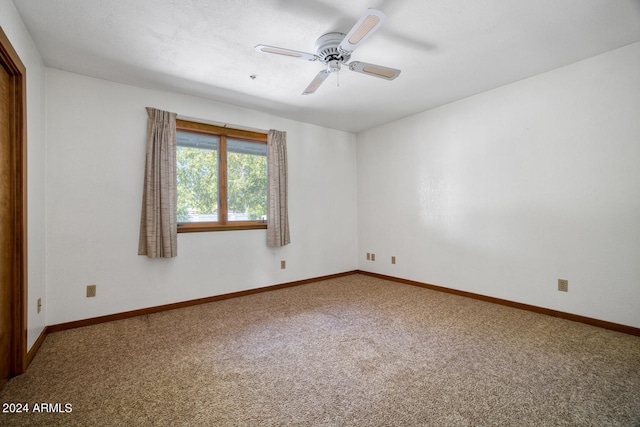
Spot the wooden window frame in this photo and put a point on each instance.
(223, 133)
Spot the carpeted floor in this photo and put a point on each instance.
(352, 351)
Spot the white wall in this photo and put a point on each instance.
(21, 41)
(505, 192)
(95, 160)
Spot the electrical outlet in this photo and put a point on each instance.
(283, 264)
(368, 256)
(393, 260)
(39, 305)
(563, 285)
(91, 291)
(373, 257)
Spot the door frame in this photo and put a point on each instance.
(11, 62)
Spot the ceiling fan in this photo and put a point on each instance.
(334, 49)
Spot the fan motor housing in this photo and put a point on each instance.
(327, 48)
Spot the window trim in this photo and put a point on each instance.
(223, 132)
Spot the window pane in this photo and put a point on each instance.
(197, 175)
(246, 180)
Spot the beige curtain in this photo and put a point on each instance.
(158, 223)
(277, 215)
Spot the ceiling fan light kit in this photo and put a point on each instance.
(334, 49)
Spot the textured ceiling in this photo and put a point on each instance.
(446, 49)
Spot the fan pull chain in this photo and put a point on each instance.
(338, 79)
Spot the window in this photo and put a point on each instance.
(221, 177)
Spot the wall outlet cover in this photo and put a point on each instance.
(563, 285)
(91, 291)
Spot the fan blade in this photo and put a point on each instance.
(316, 82)
(285, 52)
(366, 25)
(374, 70)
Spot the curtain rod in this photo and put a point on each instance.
(222, 125)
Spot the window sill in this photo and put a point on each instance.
(195, 227)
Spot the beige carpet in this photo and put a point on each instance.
(352, 351)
